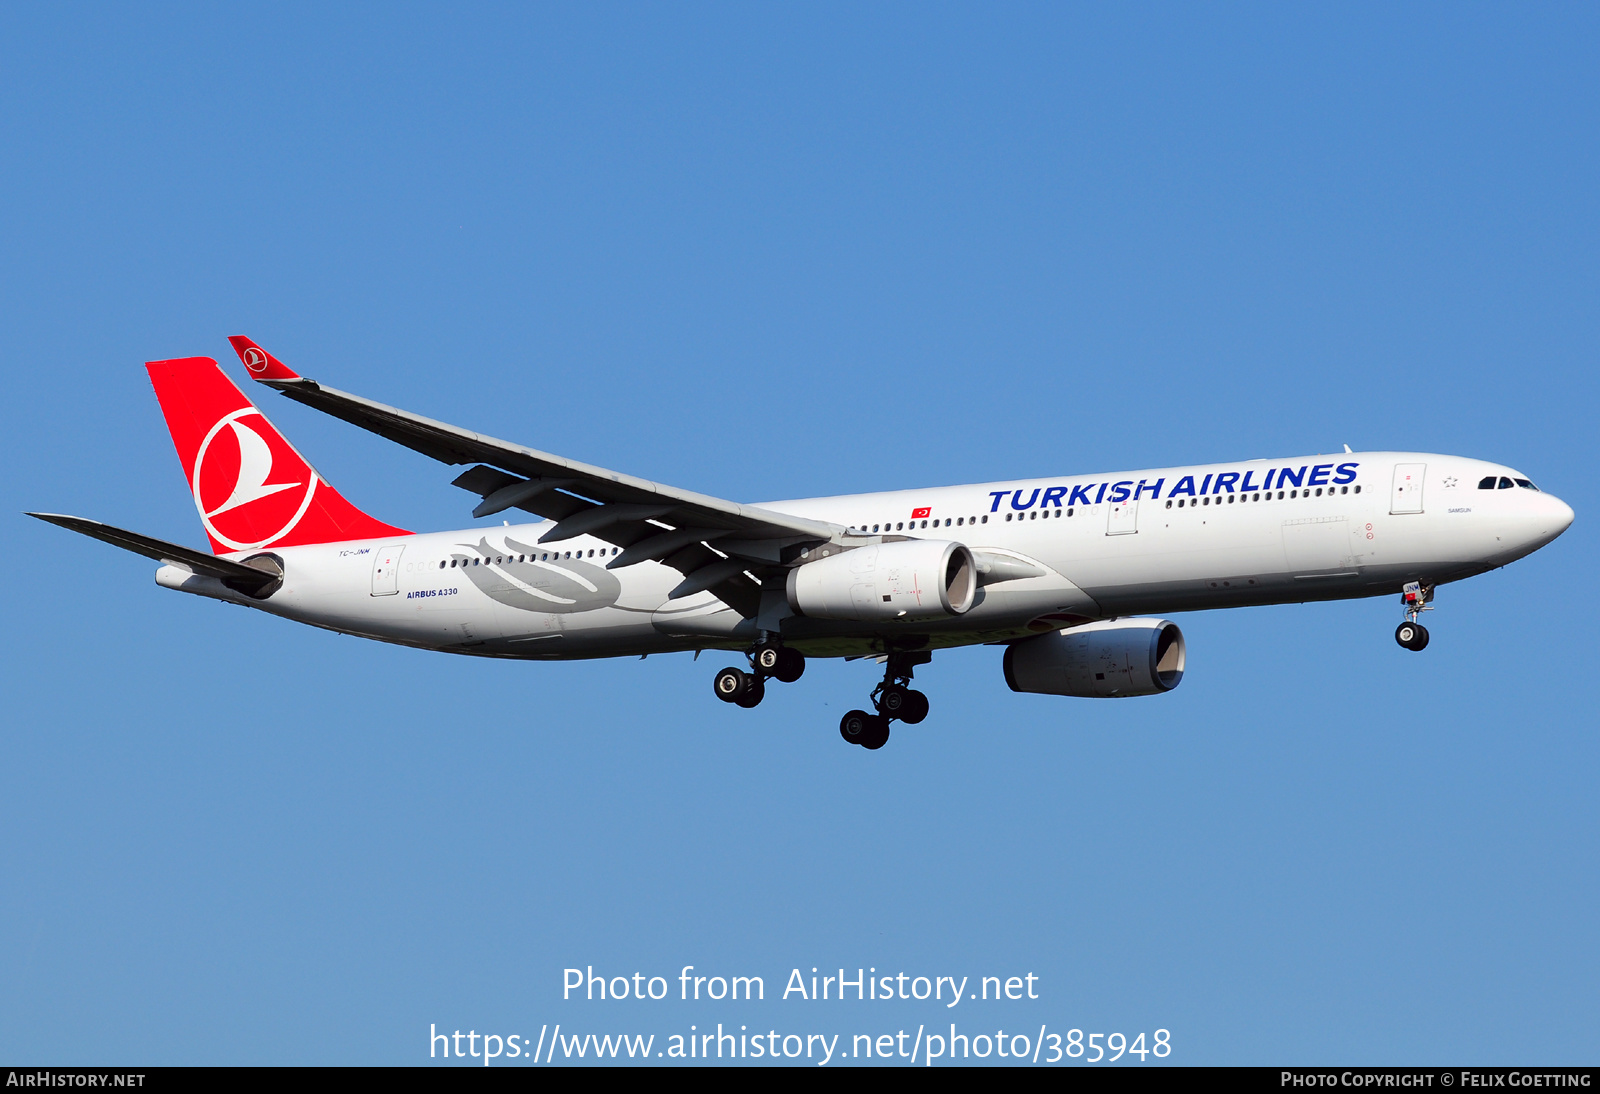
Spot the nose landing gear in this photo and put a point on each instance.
(1412, 635)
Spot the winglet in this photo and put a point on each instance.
(262, 365)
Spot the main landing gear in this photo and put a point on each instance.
(1411, 634)
(748, 688)
(892, 700)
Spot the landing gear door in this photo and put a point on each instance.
(1406, 497)
(1123, 518)
(386, 570)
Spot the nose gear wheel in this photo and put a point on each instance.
(1413, 636)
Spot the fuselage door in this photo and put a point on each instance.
(1406, 496)
(1123, 517)
(386, 570)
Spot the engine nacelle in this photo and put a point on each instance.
(907, 579)
(1110, 659)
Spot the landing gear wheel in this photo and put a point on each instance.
(729, 684)
(893, 701)
(877, 734)
(789, 665)
(766, 659)
(1413, 636)
(915, 707)
(855, 726)
(754, 691)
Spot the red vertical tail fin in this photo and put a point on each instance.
(251, 487)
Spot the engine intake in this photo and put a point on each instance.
(907, 579)
(1109, 659)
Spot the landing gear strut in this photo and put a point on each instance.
(893, 700)
(1411, 634)
(748, 688)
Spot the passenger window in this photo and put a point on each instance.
(959, 521)
(441, 564)
(1505, 483)
(899, 527)
(1008, 516)
(874, 527)
(1344, 489)
(986, 518)
(1358, 489)
(1069, 510)
(1486, 483)
(1230, 499)
(1169, 503)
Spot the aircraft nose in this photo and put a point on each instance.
(1561, 515)
(1549, 518)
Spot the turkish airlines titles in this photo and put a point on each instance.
(1224, 482)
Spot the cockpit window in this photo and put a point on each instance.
(1526, 485)
(1505, 483)
(1486, 483)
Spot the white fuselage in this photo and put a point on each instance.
(1217, 536)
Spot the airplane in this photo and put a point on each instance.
(1071, 574)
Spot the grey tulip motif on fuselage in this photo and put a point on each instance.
(560, 585)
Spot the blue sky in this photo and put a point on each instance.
(767, 252)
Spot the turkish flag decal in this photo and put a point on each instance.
(917, 514)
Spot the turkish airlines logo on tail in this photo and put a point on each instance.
(240, 504)
(255, 359)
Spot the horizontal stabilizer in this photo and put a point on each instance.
(238, 576)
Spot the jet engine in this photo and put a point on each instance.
(1109, 659)
(906, 579)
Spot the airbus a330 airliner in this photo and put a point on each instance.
(1064, 572)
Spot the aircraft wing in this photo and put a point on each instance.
(648, 520)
